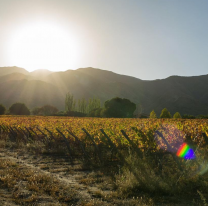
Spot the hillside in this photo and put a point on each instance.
(184, 94)
(10, 70)
(33, 93)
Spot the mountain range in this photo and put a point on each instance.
(187, 95)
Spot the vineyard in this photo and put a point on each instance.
(112, 127)
(142, 133)
(144, 149)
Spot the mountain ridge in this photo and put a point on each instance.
(187, 95)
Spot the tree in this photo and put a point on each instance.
(165, 113)
(139, 110)
(83, 106)
(118, 107)
(74, 106)
(93, 104)
(2, 109)
(79, 105)
(177, 115)
(69, 102)
(48, 110)
(153, 114)
(19, 109)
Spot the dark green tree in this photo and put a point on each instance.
(177, 115)
(19, 109)
(153, 114)
(165, 113)
(2, 109)
(118, 107)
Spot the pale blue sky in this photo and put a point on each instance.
(148, 39)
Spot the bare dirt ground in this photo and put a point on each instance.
(87, 187)
(29, 178)
(86, 184)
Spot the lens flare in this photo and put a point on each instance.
(185, 152)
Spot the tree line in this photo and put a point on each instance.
(166, 114)
(81, 105)
(115, 107)
(21, 109)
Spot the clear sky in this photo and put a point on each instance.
(148, 39)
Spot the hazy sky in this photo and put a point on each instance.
(148, 39)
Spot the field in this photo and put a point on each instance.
(98, 161)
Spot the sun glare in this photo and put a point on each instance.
(43, 45)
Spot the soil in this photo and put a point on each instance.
(87, 183)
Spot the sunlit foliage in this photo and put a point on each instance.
(140, 131)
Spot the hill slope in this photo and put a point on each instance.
(184, 94)
(10, 70)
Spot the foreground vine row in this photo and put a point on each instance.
(140, 131)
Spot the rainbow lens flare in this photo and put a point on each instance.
(185, 152)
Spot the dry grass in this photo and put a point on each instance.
(141, 176)
(132, 180)
(27, 185)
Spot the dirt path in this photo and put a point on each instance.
(88, 187)
(87, 184)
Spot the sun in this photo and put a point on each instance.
(43, 45)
